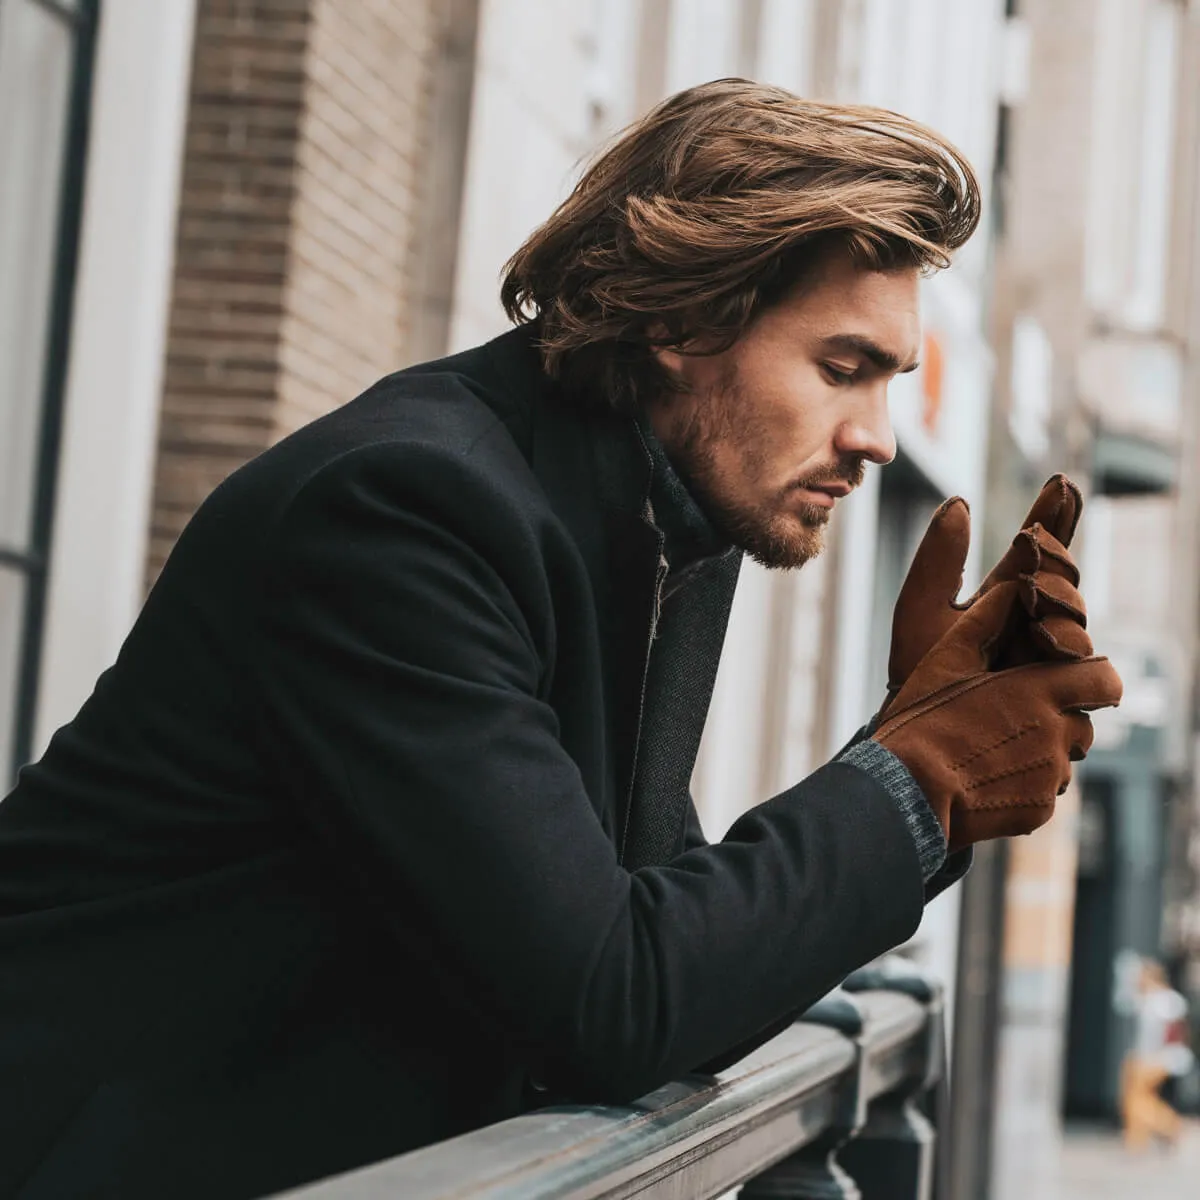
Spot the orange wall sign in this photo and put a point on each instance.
(932, 372)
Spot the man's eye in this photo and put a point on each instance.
(835, 376)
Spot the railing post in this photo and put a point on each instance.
(814, 1173)
(892, 1155)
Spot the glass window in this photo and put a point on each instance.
(45, 51)
(36, 51)
(1151, 246)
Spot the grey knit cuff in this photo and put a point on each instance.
(886, 769)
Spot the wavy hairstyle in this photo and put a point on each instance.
(714, 206)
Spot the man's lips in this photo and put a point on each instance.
(825, 494)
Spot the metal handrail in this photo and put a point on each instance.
(795, 1101)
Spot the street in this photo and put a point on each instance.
(1095, 1166)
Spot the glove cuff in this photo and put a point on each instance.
(896, 779)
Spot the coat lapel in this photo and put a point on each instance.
(635, 555)
(595, 469)
(602, 497)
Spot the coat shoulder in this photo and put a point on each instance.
(430, 432)
(431, 415)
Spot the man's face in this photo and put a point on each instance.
(770, 433)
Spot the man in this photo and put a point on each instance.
(378, 829)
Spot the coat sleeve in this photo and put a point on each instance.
(956, 865)
(952, 870)
(404, 636)
(693, 831)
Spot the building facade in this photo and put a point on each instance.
(1095, 326)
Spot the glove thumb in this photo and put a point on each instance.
(966, 649)
(925, 607)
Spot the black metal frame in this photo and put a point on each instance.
(83, 19)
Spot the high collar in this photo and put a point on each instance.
(632, 471)
(690, 535)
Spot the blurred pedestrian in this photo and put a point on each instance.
(1159, 1052)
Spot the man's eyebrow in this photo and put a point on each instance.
(856, 343)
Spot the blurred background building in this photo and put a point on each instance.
(221, 218)
(1094, 323)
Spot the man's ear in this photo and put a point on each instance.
(669, 359)
(668, 356)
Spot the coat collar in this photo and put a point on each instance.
(571, 445)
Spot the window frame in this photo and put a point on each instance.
(82, 18)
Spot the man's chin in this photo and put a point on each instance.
(785, 544)
(779, 538)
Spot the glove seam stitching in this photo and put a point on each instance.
(994, 804)
(1048, 761)
(948, 692)
(1012, 737)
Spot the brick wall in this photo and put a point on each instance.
(298, 210)
(357, 196)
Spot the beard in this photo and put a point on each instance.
(779, 532)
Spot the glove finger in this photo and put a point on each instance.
(1080, 734)
(1035, 551)
(1053, 557)
(1044, 595)
(1057, 509)
(1060, 637)
(965, 648)
(969, 825)
(1080, 686)
(924, 609)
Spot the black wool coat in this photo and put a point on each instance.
(327, 866)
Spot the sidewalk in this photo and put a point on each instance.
(1095, 1166)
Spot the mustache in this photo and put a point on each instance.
(849, 470)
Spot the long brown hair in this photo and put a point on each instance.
(712, 207)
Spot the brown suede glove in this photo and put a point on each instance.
(1038, 557)
(992, 749)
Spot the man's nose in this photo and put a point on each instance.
(867, 430)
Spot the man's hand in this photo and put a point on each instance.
(992, 749)
(1038, 559)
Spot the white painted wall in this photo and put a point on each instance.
(530, 127)
(703, 42)
(1127, 219)
(97, 566)
(728, 777)
(785, 45)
